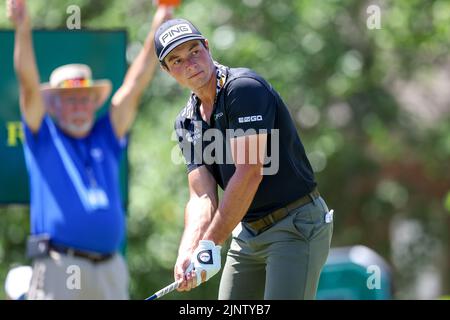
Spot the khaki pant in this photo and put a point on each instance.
(283, 262)
(65, 277)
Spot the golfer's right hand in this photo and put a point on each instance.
(16, 11)
(183, 273)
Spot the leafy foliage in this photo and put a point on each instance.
(369, 105)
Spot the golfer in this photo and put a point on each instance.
(233, 122)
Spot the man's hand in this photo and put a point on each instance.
(186, 279)
(162, 14)
(126, 100)
(199, 267)
(16, 10)
(205, 261)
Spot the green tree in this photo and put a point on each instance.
(370, 106)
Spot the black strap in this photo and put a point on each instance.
(92, 256)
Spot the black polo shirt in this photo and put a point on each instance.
(246, 105)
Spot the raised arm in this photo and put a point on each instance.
(31, 103)
(199, 213)
(125, 101)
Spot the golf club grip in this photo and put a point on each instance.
(164, 291)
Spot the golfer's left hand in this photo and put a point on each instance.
(205, 261)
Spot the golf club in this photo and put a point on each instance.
(164, 291)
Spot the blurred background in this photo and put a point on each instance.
(372, 106)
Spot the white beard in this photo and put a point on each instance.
(78, 129)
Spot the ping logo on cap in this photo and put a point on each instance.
(174, 32)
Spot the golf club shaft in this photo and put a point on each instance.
(164, 291)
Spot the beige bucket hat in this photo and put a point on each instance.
(75, 77)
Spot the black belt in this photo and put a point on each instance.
(275, 216)
(91, 256)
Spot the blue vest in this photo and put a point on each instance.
(74, 185)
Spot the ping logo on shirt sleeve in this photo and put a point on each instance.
(174, 32)
(250, 119)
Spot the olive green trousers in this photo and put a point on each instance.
(282, 262)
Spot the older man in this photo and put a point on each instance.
(77, 218)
